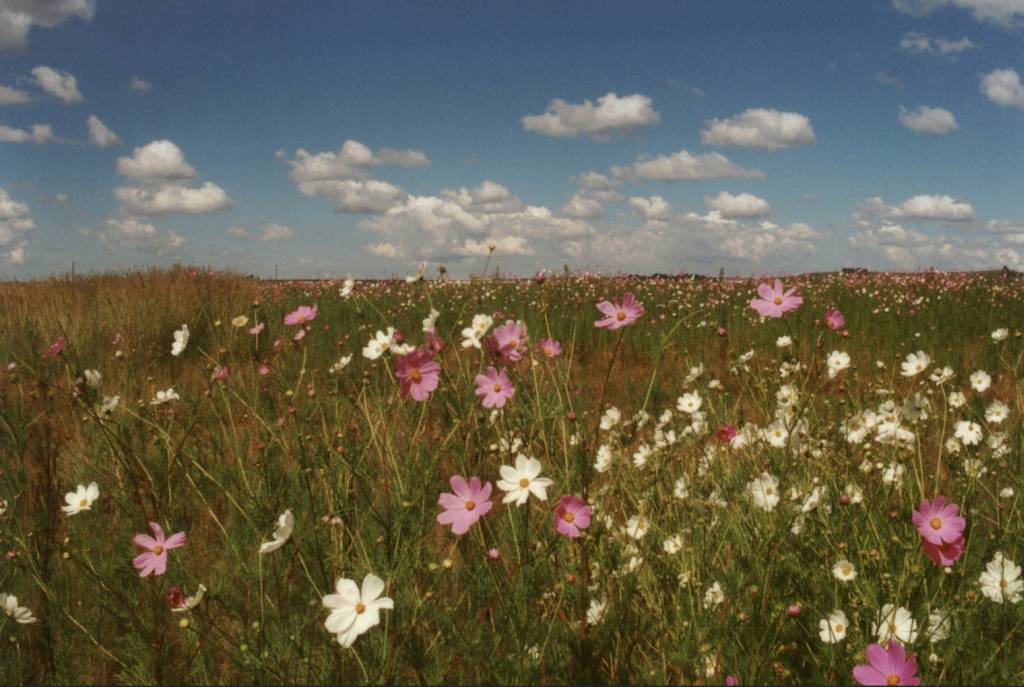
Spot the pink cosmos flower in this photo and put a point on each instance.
(257, 328)
(434, 342)
(619, 314)
(549, 347)
(418, 374)
(219, 374)
(153, 560)
(510, 341)
(302, 315)
(938, 522)
(726, 433)
(466, 505)
(263, 369)
(56, 348)
(495, 386)
(889, 666)
(572, 514)
(175, 597)
(834, 319)
(774, 301)
(944, 554)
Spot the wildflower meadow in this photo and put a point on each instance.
(568, 478)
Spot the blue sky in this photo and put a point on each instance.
(333, 137)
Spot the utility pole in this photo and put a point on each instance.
(275, 271)
(72, 270)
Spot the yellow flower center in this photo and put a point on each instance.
(360, 607)
(777, 300)
(936, 523)
(497, 388)
(158, 549)
(470, 505)
(839, 627)
(84, 503)
(620, 315)
(846, 569)
(1004, 583)
(524, 483)
(568, 516)
(415, 375)
(892, 629)
(892, 679)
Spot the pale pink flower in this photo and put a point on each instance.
(572, 514)
(549, 347)
(153, 560)
(495, 386)
(938, 522)
(467, 504)
(888, 666)
(509, 341)
(418, 375)
(834, 319)
(302, 315)
(774, 301)
(619, 314)
(56, 348)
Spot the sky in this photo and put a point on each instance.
(329, 138)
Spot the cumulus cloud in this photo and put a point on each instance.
(13, 96)
(136, 235)
(917, 43)
(1003, 87)
(172, 199)
(488, 197)
(1005, 13)
(596, 181)
(928, 120)
(612, 114)
(582, 206)
(683, 166)
(653, 209)
(160, 160)
(759, 128)
(37, 133)
(936, 207)
(99, 135)
(343, 177)
(907, 248)
(15, 224)
(267, 232)
(140, 85)
(61, 85)
(741, 205)
(17, 17)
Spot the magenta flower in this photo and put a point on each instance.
(300, 316)
(56, 348)
(466, 505)
(572, 514)
(774, 301)
(219, 374)
(153, 560)
(418, 374)
(619, 314)
(434, 342)
(938, 522)
(549, 347)
(726, 433)
(944, 554)
(889, 666)
(834, 319)
(495, 386)
(510, 341)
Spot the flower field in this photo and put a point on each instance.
(572, 478)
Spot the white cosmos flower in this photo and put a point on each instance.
(895, 622)
(431, 320)
(108, 405)
(942, 376)
(837, 362)
(191, 601)
(610, 418)
(354, 611)
(915, 364)
(81, 499)
(522, 480)
(980, 381)
(604, 458)
(833, 628)
(346, 287)
(689, 403)
(180, 341)
(968, 432)
(92, 378)
(681, 489)
(776, 434)
(285, 525)
(474, 334)
(1000, 334)
(939, 624)
(694, 373)
(342, 363)
(996, 412)
(418, 276)
(596, 611)
(19, 614)
(764, 491)
(239, 322)
(713, 596)
(379, 344)
(1001, 580)
(957, 399)
(165, 396)
(784, 342)
(673, 544)
(637, 526)
(844, 571)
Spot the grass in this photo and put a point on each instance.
(361, 470)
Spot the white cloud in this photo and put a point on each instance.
(160, 160)
(39, 133)
(13, 96)
(384, 250)
(506, 245)
(171, 198)
(1003, 87)
(351, 195)
(18, 16)
(17, 255)
(15, 221)
(741, 205)
(140, 85)
(653, 209)
(1006, 13)
(268, 232)
(920, 44)
(99, 135)
(612, 114)
(882, 76)
(906, 248)
(488, 197)
(937, 207)
(582, 206)
(684, 166)
(759, 128)
(928, 120)
(61, 85)
(136, 235)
